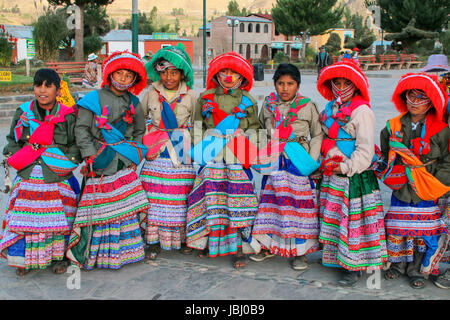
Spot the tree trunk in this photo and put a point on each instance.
(304, 35)
(79, 49)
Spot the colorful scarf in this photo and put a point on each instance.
(268, 157)
(425, 185)
(154, 140)
(205, 151)
(113, 135)
(41, 140)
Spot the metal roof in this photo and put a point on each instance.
(19, 32)
(250, 19)
(125, 35)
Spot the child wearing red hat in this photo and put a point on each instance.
(109, 131)
(350, 204)
(415, 147)
(222, 205)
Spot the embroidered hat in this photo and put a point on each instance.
(348, 69)
(129, 61)
(233, 61)
(176, 55)
(428, 83)
(92, 56)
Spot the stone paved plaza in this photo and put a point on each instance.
(179, 277)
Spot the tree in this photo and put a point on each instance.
(233, 10)
(6, 49)
(334, 44)
(306, 17)
(49, 31)
(79, 33)
(177, 25)
(363, 36)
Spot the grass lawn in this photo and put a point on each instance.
(17, 79)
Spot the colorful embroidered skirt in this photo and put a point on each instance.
(414, 227)
(167, 189)
(106, 232)
(287, 222)
(38, 217)
(222, 202)
(444, 205)
(352, 222)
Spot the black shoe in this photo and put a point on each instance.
(350, 278)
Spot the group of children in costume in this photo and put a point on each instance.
(196, 191)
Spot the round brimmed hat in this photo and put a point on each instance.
(129, 61)
(436, 63)
(178, 57)
(233, 61)
(92, 56)
(348, 69)
(428, 83)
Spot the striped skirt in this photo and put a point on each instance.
(106, 232)
(414, 227)
(38, 218)
(444, 205)
(352, 222)
(221, 203)
(287, 222)
(167, 189)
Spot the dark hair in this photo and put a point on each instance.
(49, 76)
(287, 69)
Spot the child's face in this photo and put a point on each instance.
(286, 88)
(46, 94)
(123, 77)
(171, 78)
(228, 78)
(417, 104)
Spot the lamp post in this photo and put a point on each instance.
(232, 22)
(134, 27)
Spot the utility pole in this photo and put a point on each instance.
(204, 43)
(134, 27)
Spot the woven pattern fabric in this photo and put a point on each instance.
(414, 220)
(111, 198)
(167, 189)
(222, 196)
(116, 244)
(351, 222)
(287, 211)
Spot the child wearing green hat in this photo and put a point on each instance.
(167, 174)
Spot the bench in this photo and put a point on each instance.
(410, 60)
(74, 70)
(369, 61)
(390, 60)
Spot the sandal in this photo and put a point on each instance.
(392, 274)
(203, 253)
(21, 272)
(263, 255)
(153, 252)
(60, 267)
(186, 250)
(417, 282)
(299, 263)
(239, 262)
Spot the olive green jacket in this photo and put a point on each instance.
(226, 102)
(88, 135)
(439, 144)
(63, 137)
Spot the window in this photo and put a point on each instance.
(241, 49)
(266, 28)
(241, 27)
(250, 27)
(258, 28)
(256, 48)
